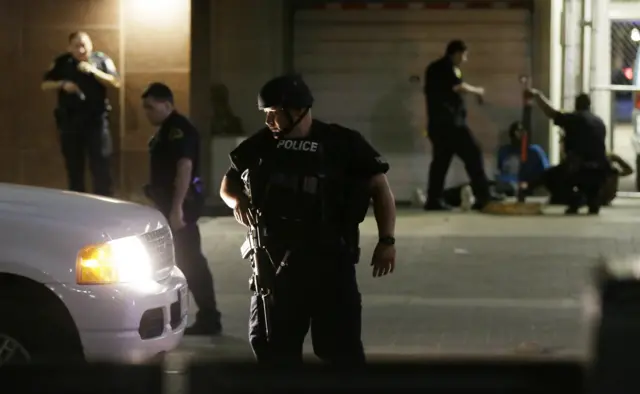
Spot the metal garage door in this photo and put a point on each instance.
(365, 64)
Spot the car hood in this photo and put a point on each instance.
(116, 218)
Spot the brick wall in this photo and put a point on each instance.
(33, 32)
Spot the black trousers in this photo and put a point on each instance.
(574, 188)
(455, 141)
(317, 293)
(588, 184)
(87, 140)
(194, 265)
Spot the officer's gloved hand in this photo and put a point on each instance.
(242, 211)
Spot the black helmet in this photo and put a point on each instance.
(288, 91)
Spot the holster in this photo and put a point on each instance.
(352, 245)
(163, 200)
(69, 119)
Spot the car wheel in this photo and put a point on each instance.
(36, 332)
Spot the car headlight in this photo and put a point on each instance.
(120, 261)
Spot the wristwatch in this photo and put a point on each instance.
(387, 240)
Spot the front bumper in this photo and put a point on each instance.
(128, 322)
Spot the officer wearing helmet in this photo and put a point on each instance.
(315, 181)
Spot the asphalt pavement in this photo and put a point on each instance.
(465, 283)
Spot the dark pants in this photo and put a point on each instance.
(194, 265)
(317, 293)
(456, 141)
(88, 139)
(574, 188)
(588, 184)
(556, 180)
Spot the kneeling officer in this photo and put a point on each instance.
(310, 185)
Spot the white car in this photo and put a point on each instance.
(86, 277)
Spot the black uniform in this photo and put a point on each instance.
(586, 164)
(82, 120)
(313, 195)
(176, 139)
(448, 132)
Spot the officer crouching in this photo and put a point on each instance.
(176, 190)
(586, 163)
(312, 183)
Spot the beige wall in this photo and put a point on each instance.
(248, 45)
(156, 47)
(547, 68)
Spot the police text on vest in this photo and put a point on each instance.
(305, 146)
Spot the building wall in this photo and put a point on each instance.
(547, 69)
(240, 45)
(33, 32)
(156, 47)
(247, 48)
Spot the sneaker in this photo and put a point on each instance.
(419, 198)
(466, 198)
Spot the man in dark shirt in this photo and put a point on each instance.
(176, 190)
(81, 77)
(447, 127)
(586, 163)
(313, 182)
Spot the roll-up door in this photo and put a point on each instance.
(365, 64)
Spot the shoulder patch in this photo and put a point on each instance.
(100, 54)
(175, 134)
(457, 71)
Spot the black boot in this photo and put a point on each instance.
(436, 205)
(207, 324)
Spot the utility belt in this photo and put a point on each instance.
(309, 255)
(71, 118)
(315, 239)
(162, 197)
(574, 163)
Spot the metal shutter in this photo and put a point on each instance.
(365, 64)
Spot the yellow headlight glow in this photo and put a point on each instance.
(120, 261)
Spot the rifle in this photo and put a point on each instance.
(254, 248)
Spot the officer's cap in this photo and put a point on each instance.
(287, 91)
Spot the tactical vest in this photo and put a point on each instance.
(303, 191)
(301, 186)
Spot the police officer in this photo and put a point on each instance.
(447, 127)
(315, 181)
(586, 162)
(176, 189)
(81, 77)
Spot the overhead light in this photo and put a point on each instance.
(157, 12)
(635, 35)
